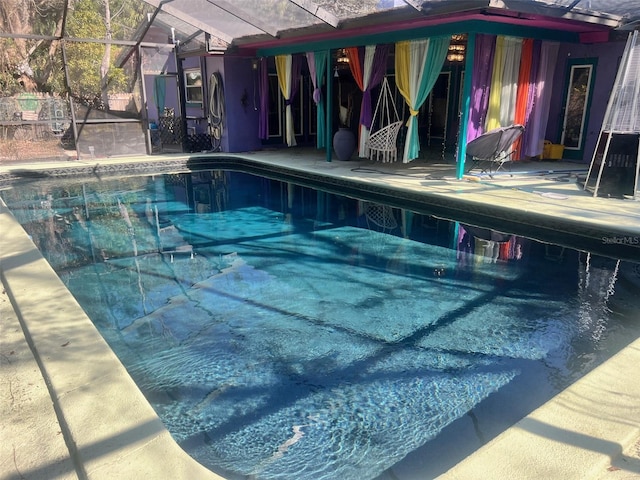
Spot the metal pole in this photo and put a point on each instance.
(593, 157)
(182, 101)
(602, 163)
(329, 109)
(145, 113)
(635, 183)
(74, 126)
(466, 104)
(454, 237)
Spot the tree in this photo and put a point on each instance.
(28, 64)
(91, 65)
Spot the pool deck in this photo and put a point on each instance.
(70, 410)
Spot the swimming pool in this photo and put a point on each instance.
(283, 332)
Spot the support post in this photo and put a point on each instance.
(635, 182)
(602, 163)
(329, 109)
(465, 104)
(74, 125)
(145, 112)
(182, 101)
(454, 237)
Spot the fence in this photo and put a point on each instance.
(35, 126)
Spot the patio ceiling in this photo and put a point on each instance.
(253, 25)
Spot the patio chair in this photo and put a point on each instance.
(492, 150)
(382, 143)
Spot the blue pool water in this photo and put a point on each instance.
(285, 333)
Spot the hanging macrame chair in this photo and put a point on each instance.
(382, 145)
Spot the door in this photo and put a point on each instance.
(439, 110)
(434, 113)
(577, 102)
(301, 105)
(167, 113)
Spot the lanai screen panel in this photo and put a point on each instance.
(229, 21)
(209, 18)
(108, 109)
(182, 31)
(349, 9)
(245, 21)
(612, 7)
(270, 16)
(85, 21)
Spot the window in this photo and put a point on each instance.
(193, 86)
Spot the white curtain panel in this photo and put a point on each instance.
(369, 52)
(512, 52)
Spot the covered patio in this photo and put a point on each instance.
(323, 62)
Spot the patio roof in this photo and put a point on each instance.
(254, 25)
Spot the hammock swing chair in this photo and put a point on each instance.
(379, 215)
(381, 145)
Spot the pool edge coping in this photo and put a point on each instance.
(585, 431)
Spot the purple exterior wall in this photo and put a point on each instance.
(196, 114)
(240, 86)
(608, 55)
(241, 104)
(215, 64)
